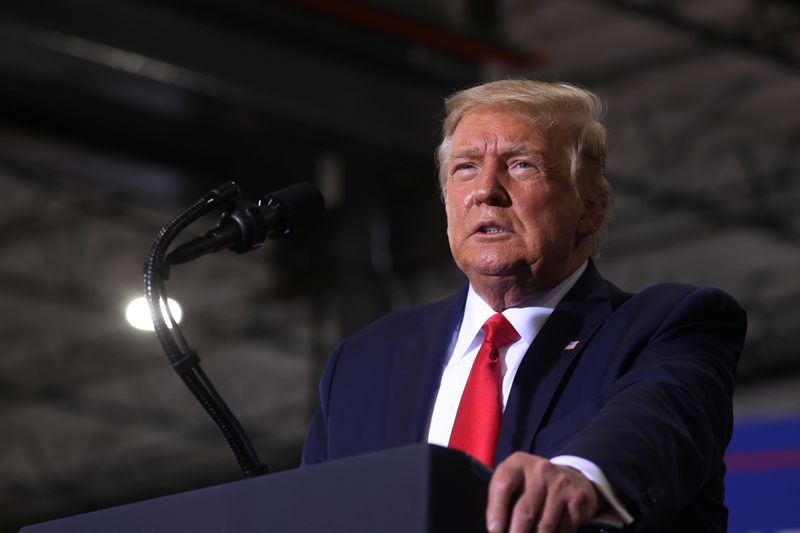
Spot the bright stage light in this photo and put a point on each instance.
(138, 313)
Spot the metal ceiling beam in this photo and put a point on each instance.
(244, 73)
(743, 38)
(422, 33)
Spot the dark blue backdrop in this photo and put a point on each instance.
(763, 481)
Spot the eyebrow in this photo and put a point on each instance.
(505, 150)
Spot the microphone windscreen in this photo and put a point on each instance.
(301, 204)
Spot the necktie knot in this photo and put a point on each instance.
(499, 331)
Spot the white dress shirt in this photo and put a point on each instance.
(466, 342)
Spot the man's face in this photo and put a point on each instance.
(512, 211)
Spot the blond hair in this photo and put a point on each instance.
(558, 108)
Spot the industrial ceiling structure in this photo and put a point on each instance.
(115, 116)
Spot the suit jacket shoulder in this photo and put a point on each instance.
(379, 384)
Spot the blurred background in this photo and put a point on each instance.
(116, 115)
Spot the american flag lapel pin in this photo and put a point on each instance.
(572, 345)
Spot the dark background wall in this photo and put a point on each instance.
(114, 116)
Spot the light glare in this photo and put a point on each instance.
(138, 313)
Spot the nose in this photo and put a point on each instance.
(489, 186)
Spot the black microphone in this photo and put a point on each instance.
(248, 225)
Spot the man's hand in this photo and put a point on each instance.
(550, 497)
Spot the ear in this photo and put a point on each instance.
(592, 219)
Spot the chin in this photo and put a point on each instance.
(496, 267)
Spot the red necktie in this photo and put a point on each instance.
(479, 414)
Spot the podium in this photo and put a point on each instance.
(419, 488)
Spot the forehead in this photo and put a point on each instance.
(497, 128)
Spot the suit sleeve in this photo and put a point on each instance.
(315, 449)
(664, 422)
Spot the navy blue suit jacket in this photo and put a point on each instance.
(645, 394)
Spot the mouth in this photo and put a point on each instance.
(490, 228)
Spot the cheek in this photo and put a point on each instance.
(448, 213)
(451, 220)
(458, 196)
(553, 231)
(453, 212)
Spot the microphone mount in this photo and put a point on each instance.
(243, 227)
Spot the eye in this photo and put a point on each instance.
(522, 165)
(464, 169)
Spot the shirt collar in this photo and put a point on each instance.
(526, 319)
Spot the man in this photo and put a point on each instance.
(593, 404)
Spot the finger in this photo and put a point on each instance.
(528, 506)
(527, 509)
(554, 516)
(579, 509)
(581, 500)
(575, 499)
(507, 479)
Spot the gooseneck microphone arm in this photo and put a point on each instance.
(243, 227)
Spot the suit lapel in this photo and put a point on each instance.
(418, 369)
(550, 360)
